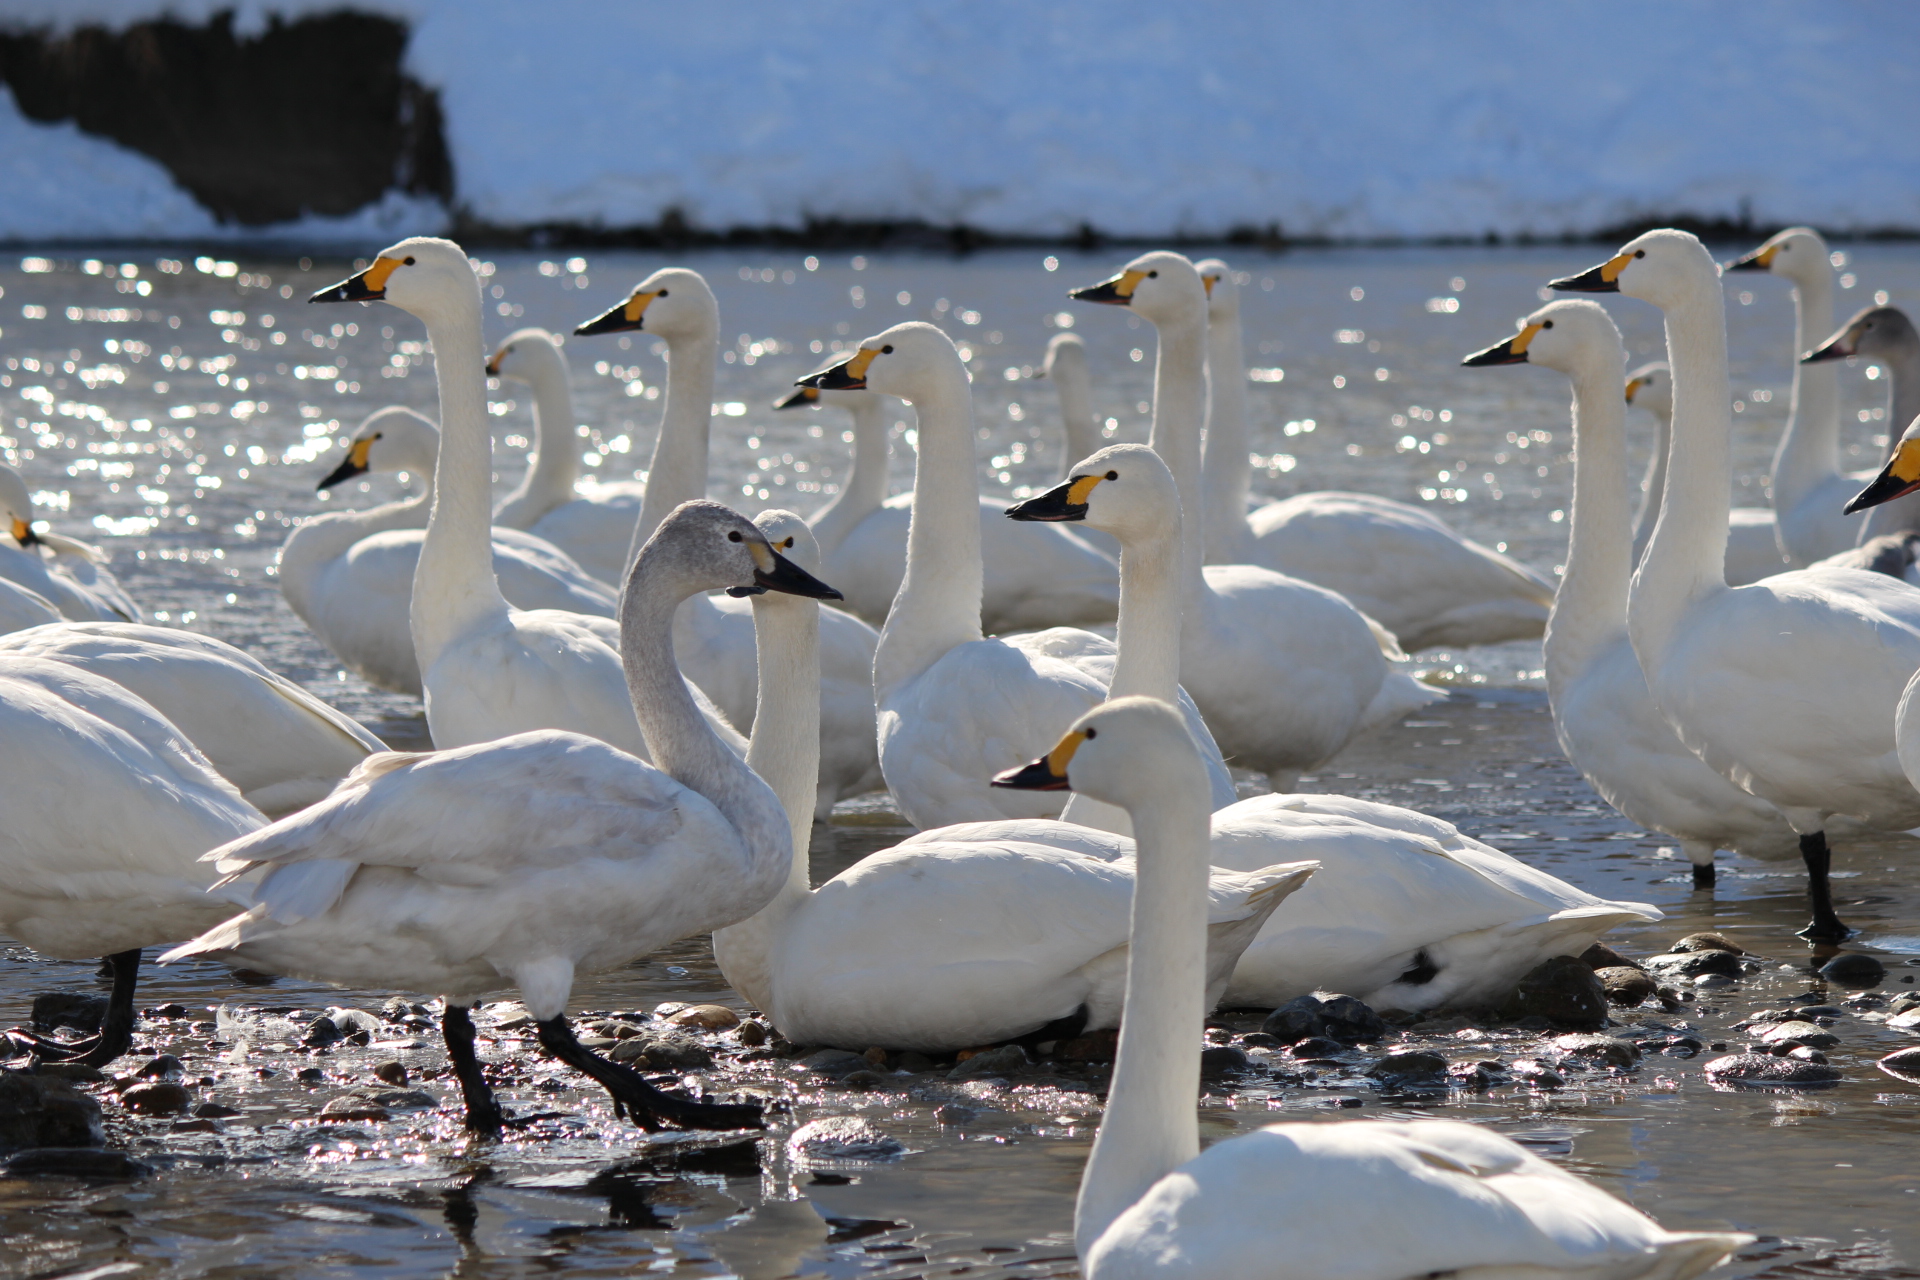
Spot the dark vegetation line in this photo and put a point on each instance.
(318, 116)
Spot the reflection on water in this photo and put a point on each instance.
(187, 449)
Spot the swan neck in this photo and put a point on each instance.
(866, 485)
(323, 538)
(1903, 396)
(1149, 1127)
(678, 470)
(1652, 485)
(1590, 607)
(555, 466)
(1075, 389)
(1809, 451)
(938, 604)
(1179, 401)
(1227, 469)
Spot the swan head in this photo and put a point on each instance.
(527, 356)
(424, 276)
(911, 360)
(1124, 489)
(1126, 752)
(1161, 286)
(394, 438)
(1223, 293)
(674, 302)
(1900, 477)
(1663, 267)
(1571, 335)
(1651, 387)
(1064, 349)
(16, 508)
(703, 546)
(1877, 333)
(1798, 253)
(789, 536)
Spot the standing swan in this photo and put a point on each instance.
(522, 862)
(1417, 1198)
(1782, 685)
(68, 574)
(1602, 713)
(1066, 368)
(1890, 539)
(1396, 563)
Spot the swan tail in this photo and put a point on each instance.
(60, 544)
(1684, 1254)
(302, 890)
(1388, 642)
(224, 936)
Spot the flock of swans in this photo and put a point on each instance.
(639, 706)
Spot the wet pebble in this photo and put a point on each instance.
(76, 1010)
(1475, 1075)
(215, 1111)
(1297, 1019)
(164, 1065)
(157, 1098)
(43, 1111)
(1223, 1060)
(1411, 1067)
(707, 1017)
(1694, 964)
(753, 1033)
(321, 1032)
(79, 1072)
(1903, 1064)
(310, 1075)
(168, 1011)
(1316, 1049)
(1001, 1061)
(1609, 1050)
(1799, 1033)
(834, 1063)
(1562, 991)
(1537, 1074)
(1854, 970)
(1906, 1021)
(952, 1113)
(1763, 1068)
(1601, 956)
(1626, 985)
(1708, 942)
(393, 1073)
(1352, 1022)
(915, 1062)
(838, 1138)
(351, 1108)
(667, 1055)
(87, 1163)
(356, 1021)
(1095, 1046)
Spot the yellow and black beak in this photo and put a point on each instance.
(620, 317)
(774, 572)
(1604, 278)
(493, 364)
(849, 375)
(1065, 501)
(1838, 347)
(798, 398)
(1048, 773)
(1633, 385)
(23, 533)
(368, 286)
(1117, 292)
(1512, 351)
(1759, 260)
(354, 464)
(1897, 479)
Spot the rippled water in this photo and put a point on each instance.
(187, 448)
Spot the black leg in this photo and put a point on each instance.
(1826, 926)
(115, 1036)
(649, 1107)
(1703, 875)
(483, 1113)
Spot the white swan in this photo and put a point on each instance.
(487, 669)
(1066, 368)
(68, 574)
(349, 574)
(523, 862)
(1810, 490)
(1397, 563)
(1782, 685)
(955, 707)
(1034, 576)
(21, 608)
(1426, 1197)
(1287, 673)
(1890, 538)
(1602, 713)
(279, 745)
(108, 811)
(1753, 543)
(715, 633)
(593, 523)
(960, 941)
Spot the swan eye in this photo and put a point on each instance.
(1113, 475)
(1151, 275)
(406, 262)
(378, 434)
(1546, 324)
(661, 294)
(733, 535)
(887, 350)
(1639, 253)
(787, 545)
(1092, 733)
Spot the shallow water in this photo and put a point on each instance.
(1827, 1177)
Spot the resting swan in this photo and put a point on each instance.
(592, 523)
(1395, 562)
(1890, 538)
(1753, 544)
(349, 574)
(1783, 685)
(108, 811)
(279, 745)
(1413, 1198)
(68, 574)
(1286, 673)
(526, 861)
(954, 707)
(1034, 577)
(715, 633)
(960, 941)
(487, 668)
(1066, 368)
(1602, 713)
(21, 608)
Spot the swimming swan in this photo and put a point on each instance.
(68, 574)
(1602, 713)
(349, 574)
(1781, 686)
(1395, 562)
(523, 862)
(1424, 1197)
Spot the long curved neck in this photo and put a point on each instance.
(1903, 371)
(938, 605)
(785, 752)
(1687, 556)
(555, 465)
(1075, 388)
(1809, 451)
(1227, 470)
(453, 585)
(323, 538)
(1179, 401)
(1590, 608)
(866, 486)
(678, 471)
(1149, 1127)
(1653, 486)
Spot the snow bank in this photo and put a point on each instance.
(1372, 118)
